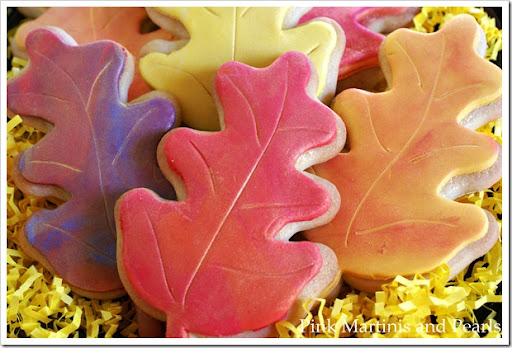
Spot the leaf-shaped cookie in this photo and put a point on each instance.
(98, 148)
(362, 27)
(89, 24)
(409, 157)
(251, 35)
(219, 262)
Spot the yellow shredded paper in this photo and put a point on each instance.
(41, 305)
(433, 18)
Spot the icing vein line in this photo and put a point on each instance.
(77, 89)
(58, 164)
(463, 88)
(244, 11)
(44, 96)
(254, 118)
(94, 85)
(235, 200)
(125, 142)
(402, 150)
(210, 11)
(415, 68)
(212, 178)
(305, 129)
(275, 205)
(422, 157)
(405, 221)
(81, 240)
(269, 275)
(374, 131)
(311, 51)
(111, 19)
(160, 254)
(206, 90)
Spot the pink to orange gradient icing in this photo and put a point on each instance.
(405, 144)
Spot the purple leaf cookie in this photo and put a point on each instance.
(98, 147)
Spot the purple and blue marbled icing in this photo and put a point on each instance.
(99, 148)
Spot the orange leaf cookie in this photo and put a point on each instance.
(410, 156)
(89, 24)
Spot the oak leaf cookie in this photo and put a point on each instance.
(219, 262)
(253, 35)
(90, 24)
(97, 147)
(364, 28)
(410, 156)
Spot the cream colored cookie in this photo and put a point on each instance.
(252, 35)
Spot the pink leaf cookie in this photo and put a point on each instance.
(199, 263)
(98, 148)
(362, 27)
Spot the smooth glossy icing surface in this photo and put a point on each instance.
(251, 35)
(405, 144)
(197, 260)
(99, 148)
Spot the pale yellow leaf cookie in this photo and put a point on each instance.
(252, 35)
